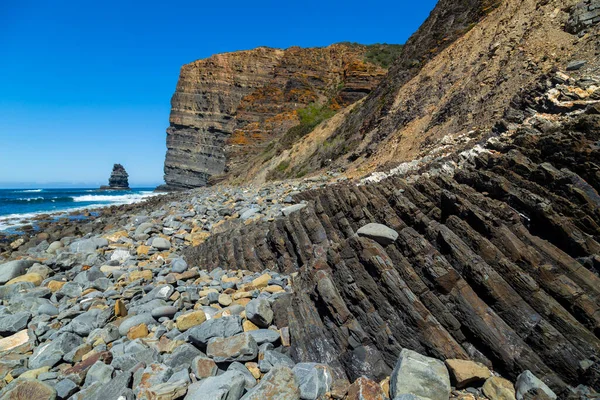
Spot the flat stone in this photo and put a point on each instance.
(575, 65)
(379, 233)
(154, 374)
(223, 327)
(182, 355)
(250, 378)
(259, 312)
(224, 300)
(16, 340)
(292, 209)
(32, 277)
(314, 380)
(66, 388)
(366, 389)
(241, 347)
(527, 382)
(13, 269)
(466, 372)
(271, 358)
(164, 391)
(262, 336)
(13, 323)
(135, 320)
(137, 332)
(420, 375)
(99, 372)
(228, 386)
(161, 243)
(278, 384)
(189, 320)
(30, 390)
(204, 367)
(164, 311)
(496, 388)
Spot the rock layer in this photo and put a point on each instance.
(119, 179)
(496, 259)
(230, 106)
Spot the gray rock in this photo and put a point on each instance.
(272, 358)
(114, 389)
(204, 367)
(250, 381)
(65, 388)
(420, 375)
(87, 245)
(99, 372)
(12, 269)
(165, 311)
(70, 289)
(152, 375)
(265, 336)
(222, 327)
(30, 389)
(50, 353)
(313, 379)
(379, 233)
(135, 320)
(182, 356)
(47, 309)
(161, 243)
(228, 386)
(179, 265)
(278, 384)
(13, 323)
(527, 381)
(575, 65)
(259, 312)
(85, 323)
(240, 347)
(292, 209)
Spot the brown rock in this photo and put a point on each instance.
(145, 274)
(137, 332)
(143, 250)
(249, 326)
(16, 340)
(496, 388)
(55, 286)
(466, 372)
(120, 309)
(32, 277)
(365, 389)
(186, 321)
(30, 390)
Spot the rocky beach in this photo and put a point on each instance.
(429, 231)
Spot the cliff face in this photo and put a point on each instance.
(455, 78)
(232, 105)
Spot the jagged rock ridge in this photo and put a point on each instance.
(497, 257)
(231, 106)
(119, 179)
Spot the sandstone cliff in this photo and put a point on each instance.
(231, 106)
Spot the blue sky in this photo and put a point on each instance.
(84, 85)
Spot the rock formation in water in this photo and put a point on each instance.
(119, 179)
(231, 106)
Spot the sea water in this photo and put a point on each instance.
(17, 206)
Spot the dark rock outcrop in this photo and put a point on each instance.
(119, 179)
(231, 106)
(496, 259)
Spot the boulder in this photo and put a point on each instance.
(241, 347)
(420, 375)
(496, 388)
(366, 389)
(465, 372)
(527, 382)
(314, 380)
(379, 233)
(26, 389)
(259, 312)
(222, 327)
(228, 386)
(278, 384)
(12, 269)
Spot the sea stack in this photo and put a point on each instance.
(119, 179)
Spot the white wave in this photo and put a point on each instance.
(121, 199)
(29, 198)
(31, 191)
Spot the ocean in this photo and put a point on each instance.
(19, 205)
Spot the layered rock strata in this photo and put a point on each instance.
(119, 179)
(496, 260)
(231, 106)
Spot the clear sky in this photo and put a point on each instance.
(84, 85)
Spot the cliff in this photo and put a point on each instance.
(231, 106)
